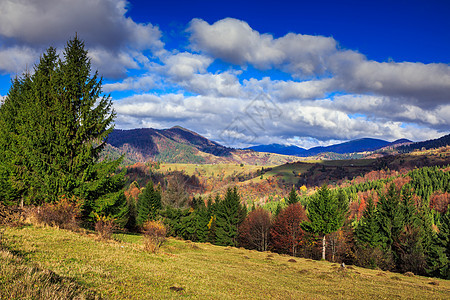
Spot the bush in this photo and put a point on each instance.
(64, 214)
(154, 235)
(11, 216)
(373, 258)
(104, 226)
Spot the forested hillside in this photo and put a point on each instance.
(436, 143)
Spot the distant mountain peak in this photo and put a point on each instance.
(358, 145)
(278, 149)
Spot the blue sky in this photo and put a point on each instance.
(252, 72)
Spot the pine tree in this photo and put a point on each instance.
(230, 214)
(53, 126)
(202, 218)
(367, 231)
(14, 166)
(148, 205)
(293, 198)
(390, 217)
(326, 214)
(438, 256)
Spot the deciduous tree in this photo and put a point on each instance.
(287, 234)
(254, 231)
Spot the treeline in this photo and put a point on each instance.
(430, 144)
(398, 230)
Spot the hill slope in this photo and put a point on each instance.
(180, 145)
(429, 144)
(122, 270)
(359, 145)
(279, 149)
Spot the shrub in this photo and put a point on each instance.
(104, 226)
(64, 214)
(11, 216)
(373, 258)
(154, 235)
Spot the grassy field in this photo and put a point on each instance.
(182, 269)
(211, 170)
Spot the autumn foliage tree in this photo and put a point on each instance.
(287, 234)
(254, 231)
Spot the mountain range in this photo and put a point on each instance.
(180, 145)
(359, 145)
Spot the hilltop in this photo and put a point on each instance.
(180, 145)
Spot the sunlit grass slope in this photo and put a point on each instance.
(122, 270)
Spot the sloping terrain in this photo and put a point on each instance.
(279, 149)
(180, 145)
(182, 269)
(429, 144)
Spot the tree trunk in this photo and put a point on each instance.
(323, 247)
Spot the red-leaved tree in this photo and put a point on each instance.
(286, 235)
(254, 231)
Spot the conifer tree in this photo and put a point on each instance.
(15, 180)
(230, 213)
(367, 231)
(202, 218)
(149, 203)
(326, 214)
(438, 256)
(293, 198)
(53, 126)
(390, 217)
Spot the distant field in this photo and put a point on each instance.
(317, 172)
(122, 270)
(290, 172)
(211, 169)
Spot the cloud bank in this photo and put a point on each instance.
(327, 94)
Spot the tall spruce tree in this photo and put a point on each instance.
(148, 205)
(293, 197)
(15, 176)
(53, 126)
(367, 231)
(230, 213)
(390, 216)
(438, 256)
(326, 213)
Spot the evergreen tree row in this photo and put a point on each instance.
(53, 126)
(405, 235)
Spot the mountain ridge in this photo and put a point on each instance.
(181, 145)
(358, 145)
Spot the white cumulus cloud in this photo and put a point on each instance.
(102, 24)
